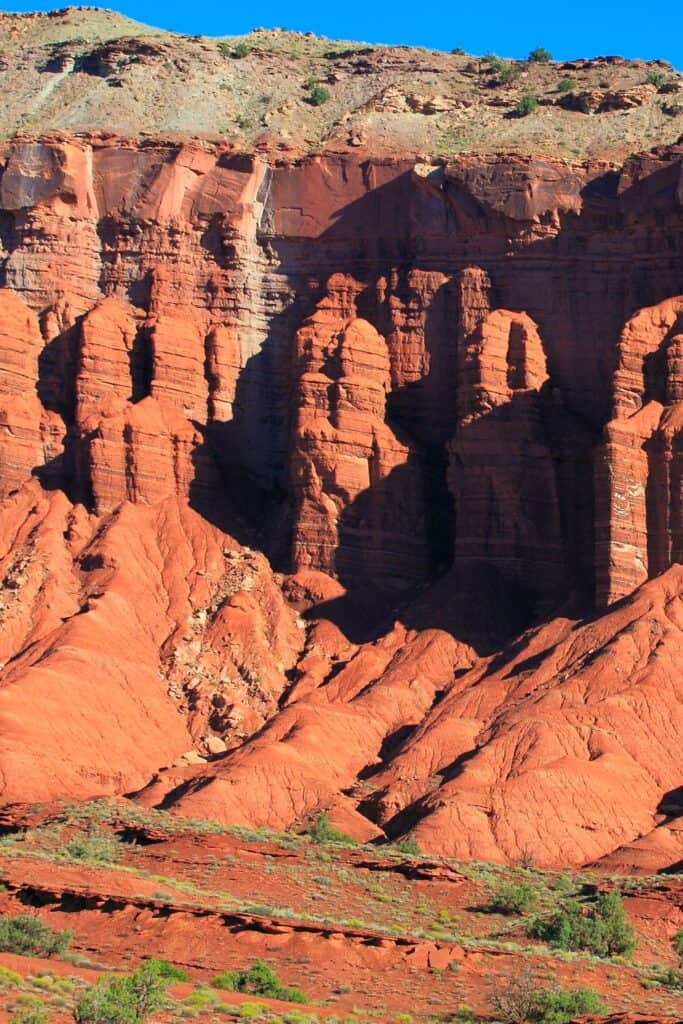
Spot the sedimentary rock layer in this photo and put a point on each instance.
(291, 453)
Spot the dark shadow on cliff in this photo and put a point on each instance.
(403, 225)
(521, 545)
(249, 487)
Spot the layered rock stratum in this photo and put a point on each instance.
(336, 473)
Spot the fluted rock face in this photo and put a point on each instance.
(637, 469)
(178, 374)
(502, 471)
(132, 436)
(184, 274)
(358, 504)
(20, 343)
(30, 436)
(106, 349)
(188, 276)
(142, 453)
(223, 366)
(448, 397)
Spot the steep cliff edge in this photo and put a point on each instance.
(344, 481)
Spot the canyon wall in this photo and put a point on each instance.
(293, 453)
(383, 365)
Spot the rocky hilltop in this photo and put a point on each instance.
(343, 479)
(83, 70)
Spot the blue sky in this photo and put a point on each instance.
(568, 29)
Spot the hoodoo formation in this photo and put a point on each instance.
(436, 442)
(341, 465)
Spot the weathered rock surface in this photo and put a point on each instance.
(312, 475)
(359, 508)
(29, 435)
(639, 528)
(502, 473)
(96, 71)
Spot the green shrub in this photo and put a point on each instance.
(566, 84)
(318, 95)
(236, 52)
(657, 78)
(249, 1011)
(123, 1000)
(562, 1005)
(508, 75)
(110, 1001)
(27, 935)
(602, 929)
(526, 105)
(458, 51)
(34, 1012)
(513, 899)
(321, 831)
(260, 980)
(226, 980)
(8, 978)
(408, 846)
(670, 977)
(166, 970)
(202, 997)
(290, 994)
(678, 943)
(522, 1000)
(540, 56)
(495, 63)
(296, 1017)
(94, 848)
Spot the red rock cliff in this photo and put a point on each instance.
(387, 377)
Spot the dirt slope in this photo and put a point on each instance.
(87, 70)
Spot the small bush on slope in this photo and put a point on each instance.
(513, 899)
(521, 1001)
(318, 95)
(540, 55)
(322, 831)
(562, 1005)
(94, 848)
(27, 935)
(526, 106)
(602, 929)
(260, 979)
(34, 1012)
(124, 1000)
(408, 846)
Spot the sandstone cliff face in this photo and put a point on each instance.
(442, 399)
(638, 470)
(502, 473)
(220, 260)
(359, 507)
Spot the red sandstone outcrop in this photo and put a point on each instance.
(371, 374)
(358, 504)
(143, 453)
(502, 474)
(639, 524)
(29, 435)
(151, 626)
(317, 746)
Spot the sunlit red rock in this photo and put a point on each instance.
(332, 462)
